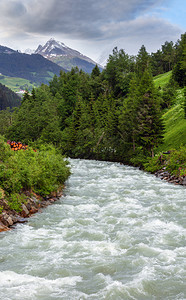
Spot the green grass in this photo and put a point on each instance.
(175, 125)
(15, 83)
(162, 79)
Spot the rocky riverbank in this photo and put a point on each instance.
(33, 204)
(165, 175)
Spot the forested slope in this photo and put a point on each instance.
(121, 114)
(8, 98)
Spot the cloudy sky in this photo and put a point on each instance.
(93, 27)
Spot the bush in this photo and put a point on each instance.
(174, 162)
(42, 172)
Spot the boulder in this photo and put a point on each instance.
(184, 181)
(3, 227)
(6, 219)
(25, 211)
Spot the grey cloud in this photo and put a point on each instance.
(83, 19)
(12, 9)
(123, 23)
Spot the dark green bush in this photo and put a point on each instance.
(42, 172)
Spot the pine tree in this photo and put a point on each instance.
(142, 61)
(127, 118)
(149, 122)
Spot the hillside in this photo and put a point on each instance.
(71, 62)
(8, 98)
(175, 123)
(162, 79)
(34, 68)
(15, 83)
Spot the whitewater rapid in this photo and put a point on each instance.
(117, 233)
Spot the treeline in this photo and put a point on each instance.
(113, 115)
(8, 98)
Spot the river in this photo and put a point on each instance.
(118, 233)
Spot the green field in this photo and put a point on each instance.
(175, 123)
(162, 79)
(15, 83)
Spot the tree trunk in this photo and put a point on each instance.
(152, 151)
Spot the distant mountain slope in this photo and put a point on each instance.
(66, 57)
(16, 84)
(8, 98)
(6, 50)
(33, 67)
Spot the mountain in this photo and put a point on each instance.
(29, 51)
(8, 98)
(6, 50)
(66, 57)
(32, 67)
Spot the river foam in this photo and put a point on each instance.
(118, 233)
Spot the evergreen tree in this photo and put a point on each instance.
(127, 118)
(118, 72)
(142, 61)
(149, 122)
(179, 71)
(95, 72)
(168, 56)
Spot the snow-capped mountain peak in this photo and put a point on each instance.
(65, 56)
(55, 48)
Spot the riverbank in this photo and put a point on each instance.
(165, 175)
(33, 204)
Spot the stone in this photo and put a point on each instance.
(3, 227)
(33, 210)
(10, 221)
(184, 181)
(6, 219)
(25, 211)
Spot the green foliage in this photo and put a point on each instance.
(174, 162)
(8, 98)
(163, 60)
(15, 201)
(184, 102)
(179, 71)
(36, 116)
(95, 72)
(118, 72)
(142, 61)
(114, 115)
(169, 94)
(42, 172)
(5, 120)
(175, 125)
(1, 193)
(140, 121)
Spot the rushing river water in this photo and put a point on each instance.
(119, 233)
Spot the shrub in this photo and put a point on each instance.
(42, 172)
(174, 162)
